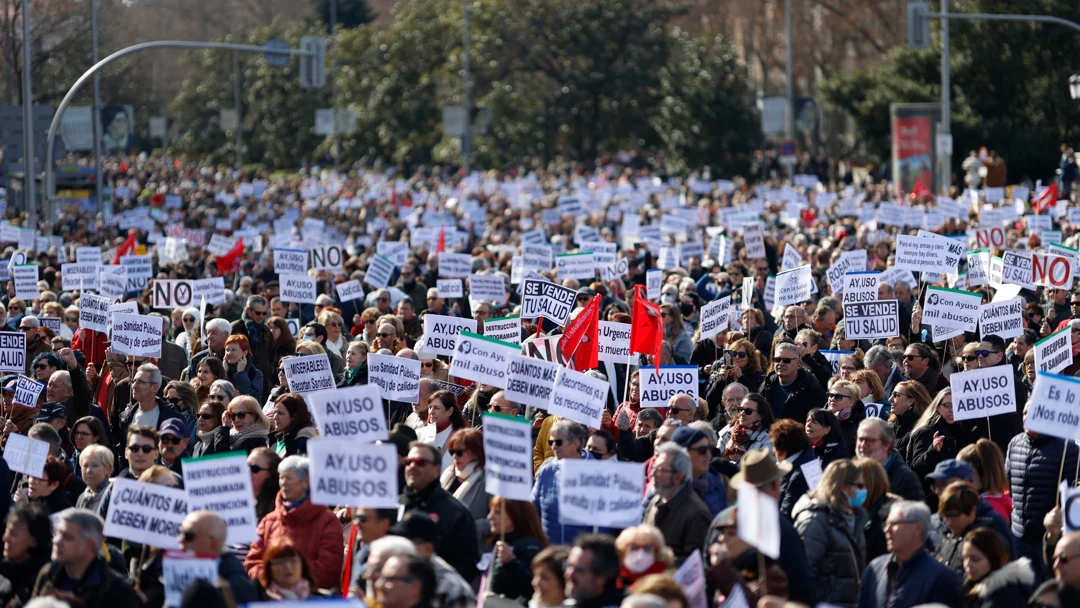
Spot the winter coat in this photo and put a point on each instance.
(219, 443)
(248, 382)
(316, 532)
(921, 455)
(804, 395)
(232, 571)
(166, 411)
(472, 494)
(683, 519)
(794, 485)
(1008, 586)
(455, 535)
(514, 578)
(714, 495)
(100, 587)
(758, 440)
(849, 428)
(947, 546)
(875, 526)
(902, 480)
(291, 443)
(835, 547)
(681, 348)
(902, 428)
(714, 394)
(20, 578)
(1032, 465)
(263, 350)
(819, 366)
(921, 580)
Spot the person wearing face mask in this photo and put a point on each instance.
(642, 552)
(689, 306)
(830, 520)
(409, 284)
(675, 336)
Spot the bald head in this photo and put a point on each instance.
(408, 353)
(207, 531)
(389, 329)
(1067, 569)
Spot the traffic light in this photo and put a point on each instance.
(918, 25)
(313, 66)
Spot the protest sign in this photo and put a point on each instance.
(344, 473)
(549, 300)
(575, 266)
(138, 335)
(379, 271)
(12, 351)
(505, 329)
(1054, 352)
(1068, 253)
(1005, 319)
(491, 288)
(951, 308)
(1016, 269)
(222, 483)
(714, 317)
(758, 520)
(535, 237)
(920, 254)
(508, 464)
(530, 380)
(180, 570)
(601, 491)
(658, 387)
(331, 257)
(984, 392)
(450, 288)
(654, 280)
(792, 259)
(140, 269)
(993, 276)
(113, 281)
(1070, 506)
(536, 257)
(482, 359)
(441, 332)
(1054, 407)
(88, 255)
(978, 263)
(94, 313)
(613, 342)
(871, 320)
(691, 577)
(398, 377)
(309, 374)
(27, 392)
(170, 294)
(754, 239)
(131, 308)
(349, 290)
(220, 244)
(834, 356)
(577, 396)
(75, 276)
(794, 286)
(860, 287)
(25, 455)
(352, 412)
(1051, 270)
(298, 288)
(290, 261)
(457, 265)
(145, 513)
(26, 281)
(395, 251)
(213, 289)
(52, 323)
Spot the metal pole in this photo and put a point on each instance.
(99, 179)
(789, 122)
(466, 138)
(945, 162)
(29, 170)
(164, 95)
(239, 136)
(336, 148)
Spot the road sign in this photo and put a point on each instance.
(228, 119)
(944, 144)
(158, 126)
(324, 121)
(313, 67)
(276, 60)
(918, 25)
(454, 119)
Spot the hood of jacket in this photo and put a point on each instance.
(1017, 572)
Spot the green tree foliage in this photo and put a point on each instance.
(1009, 84)
(350, 13)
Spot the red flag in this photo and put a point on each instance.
(230, 262)
(158, 200)
(646, 327)
(442, 240)
(920, 190)
(126, 248)
(1045, 200)
(580, 341)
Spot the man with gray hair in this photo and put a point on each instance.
(217, 331)
(875, 439)
(791, 390)
(676, 509)
(252, 323)
(731, 399)
(908, 575)
(381, 550)
(36, 344)
(880, 361)
(146, 408)
(77, 566)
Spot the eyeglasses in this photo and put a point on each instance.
(430, 298)
(1065, 557)
(866, 439)
(360, 519)
(24, 328)
(146, 448)
(420, 462)
(256, 313)
(596, 455)
(174, 400)
(143, 382)
(898, 394)
(457, 453)
(784, 360)
(427, 364)
(985, 353)
(556, 442)
(804, 344)
(701, 450)
(945, 405)
(255, 469)
(42, 366)
(207, 416)
(969, 358)
(910, 357)
(170, 440)
(675, 410)
(369, 321)
(667, 314)
(218, 397)
(333, 324)
(239, 415)
(76, 319)
(1074, 303)
(746, 411)
(836, 396)
(188, 535)
(382, 299)
(86, 434)
(189, 319)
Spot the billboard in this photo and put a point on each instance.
(914, 158)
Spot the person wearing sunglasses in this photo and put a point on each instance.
(190, 330)
(748, 431)
(337, 339)
(745, 370)
(464, 479)
(86, 431)
(147, 408)
(314, 529)
(263, 465)
(212, 437)
(908, 401)
(791, 390)
(707, 484)
(844, 402)
(250, 426)
(436, 305)
(920, 364)
(140, 451)
(173, 445)
(204, 533)
(261, 346)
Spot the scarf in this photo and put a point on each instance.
(207, 437)
(740, 440)
(844, 414)
(351, 374)
(252, 430)
(300, 591)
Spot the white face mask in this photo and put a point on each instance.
(667, 298)
(639, 561)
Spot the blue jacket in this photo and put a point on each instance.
(545, 496)
(921, 580)
(1032, 465)
(715, 497)
(249, 381)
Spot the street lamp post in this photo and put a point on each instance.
(1074, 87)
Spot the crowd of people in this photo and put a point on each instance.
(882, 496)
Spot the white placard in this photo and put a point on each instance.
(298, 288)
(508, 461)
(220, 244)
(398, 377)
(88, 255)
(658, 387)
(754, 238)
(145, 513)
(12, 351)
(575, 266)
(456, 265)
(349, 290)
(871, 320)
(549, 300)
(344, 473)
(481, 359)
(613, 342)
(180, 570)
(504, 329)
(222, 483)
(74, 276)
(794, 286)
(213, 289)
(536, 257)
(691, 577)
(1016, 269)
(26, 281)
(329, 257)
(113, 281)
(758, 520)
(27, 392)
(450, 288)
(792, 259)
(601, 491)
(579, 397)
(654, 280)
(984, 392)
(25, 455)
(1051, 270)
(487, 287)
(951, 308)
(920, 254)
(290, 261)
(1054, 409)
(1005, 319)
(379, 271)
(978, 267)
(137, 335)
(396, 251)
(170, 294)
(309, 374)
(812, 472)
(441, 332)
(1054, 352)
(715, 317)
(860, 287)
(530, 380)
(352, 412)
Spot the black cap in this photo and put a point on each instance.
(51, 411)
(416, 525)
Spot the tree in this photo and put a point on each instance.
(350, 13)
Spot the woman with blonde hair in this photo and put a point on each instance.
(908, 401)
(872, 393)
(335, 331)
(675, 334)
(308, 348)
(250, 426)
(988, 474)
(642, 551)
(878, 502)
(831, 524)
(845, 401)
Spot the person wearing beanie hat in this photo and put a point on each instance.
(707, 484)
(191, 322)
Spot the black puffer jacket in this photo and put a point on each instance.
(1032, 465)
(805, 394)
(1008, 586)
(835, 548)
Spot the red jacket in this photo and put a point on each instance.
(315, 531)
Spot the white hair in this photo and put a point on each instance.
(218, 324)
